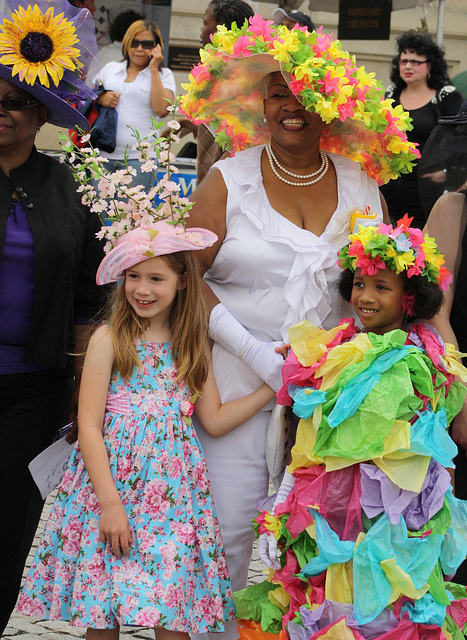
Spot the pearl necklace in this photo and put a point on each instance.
(320, 173)
(322, 155)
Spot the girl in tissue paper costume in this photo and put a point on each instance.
(365, 520)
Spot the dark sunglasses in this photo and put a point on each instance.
(17, 104)
(146, 44)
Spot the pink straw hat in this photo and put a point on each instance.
(143, 243)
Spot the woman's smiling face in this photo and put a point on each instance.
(288, 121)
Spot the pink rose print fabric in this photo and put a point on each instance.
(176, 574)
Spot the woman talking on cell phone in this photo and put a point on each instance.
(139, 88)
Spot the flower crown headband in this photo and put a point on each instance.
(224, 93)
(400, 248)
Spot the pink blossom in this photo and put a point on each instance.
(241, 47)
(445, 278)
(172, 597)
(66, 484)
(346, 110)
(148, 617)
(296, 86)
(204, 610)
(386, 229)
(200, 73)
(71, 534)
(407, 303)
(260, 27)
(356, 249)
(97, 616)
(414, 270)
(153, 493)
(96, 566)
(175, 467)
(186, 407)
(31, 606)
(370, 266)
(330, 84)
(184, 531)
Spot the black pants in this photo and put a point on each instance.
(32, 407)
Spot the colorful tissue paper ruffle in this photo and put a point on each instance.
(371, 527)
(379, 493)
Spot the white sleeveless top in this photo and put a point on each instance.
(271, 274)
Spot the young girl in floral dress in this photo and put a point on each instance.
(132, 538)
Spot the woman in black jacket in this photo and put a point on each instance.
(48, 295)
(422, 86)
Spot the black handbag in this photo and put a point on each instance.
(103, 121)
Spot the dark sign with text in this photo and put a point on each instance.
(183, 58)
(364, 19)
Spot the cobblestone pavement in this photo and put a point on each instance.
(24, 628)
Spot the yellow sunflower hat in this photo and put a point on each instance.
(46, 49)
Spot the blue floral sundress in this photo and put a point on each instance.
(176, 574)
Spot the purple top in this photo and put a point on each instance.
(17, 291)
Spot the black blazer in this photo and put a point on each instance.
(67, 254)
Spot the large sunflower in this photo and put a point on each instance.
(38, 45)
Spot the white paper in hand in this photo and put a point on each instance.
(48, 467)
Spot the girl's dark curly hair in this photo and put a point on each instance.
(428, 296)
(228, 11)
(423, 45)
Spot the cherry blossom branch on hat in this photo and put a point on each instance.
(120, 204)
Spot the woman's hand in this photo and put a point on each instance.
(108, 99)
(267, 551)
(114, 529)
(155, 57)
(436, 176)
(283, 350)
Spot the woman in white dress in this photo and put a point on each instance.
(281, 212)
(140, 89)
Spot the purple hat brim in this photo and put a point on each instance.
(62, 114)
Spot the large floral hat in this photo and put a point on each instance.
(224, 93)
(45, 49)
(401, 249)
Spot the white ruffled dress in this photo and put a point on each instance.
(270, 274)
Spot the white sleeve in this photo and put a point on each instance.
(168, 80)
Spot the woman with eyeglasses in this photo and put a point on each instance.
(49, 256)
(140, 89)
(422, 86)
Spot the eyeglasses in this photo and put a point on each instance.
(415, 63)
(146, 44)
(17, 104)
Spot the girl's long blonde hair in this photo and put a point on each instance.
(188, 324)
